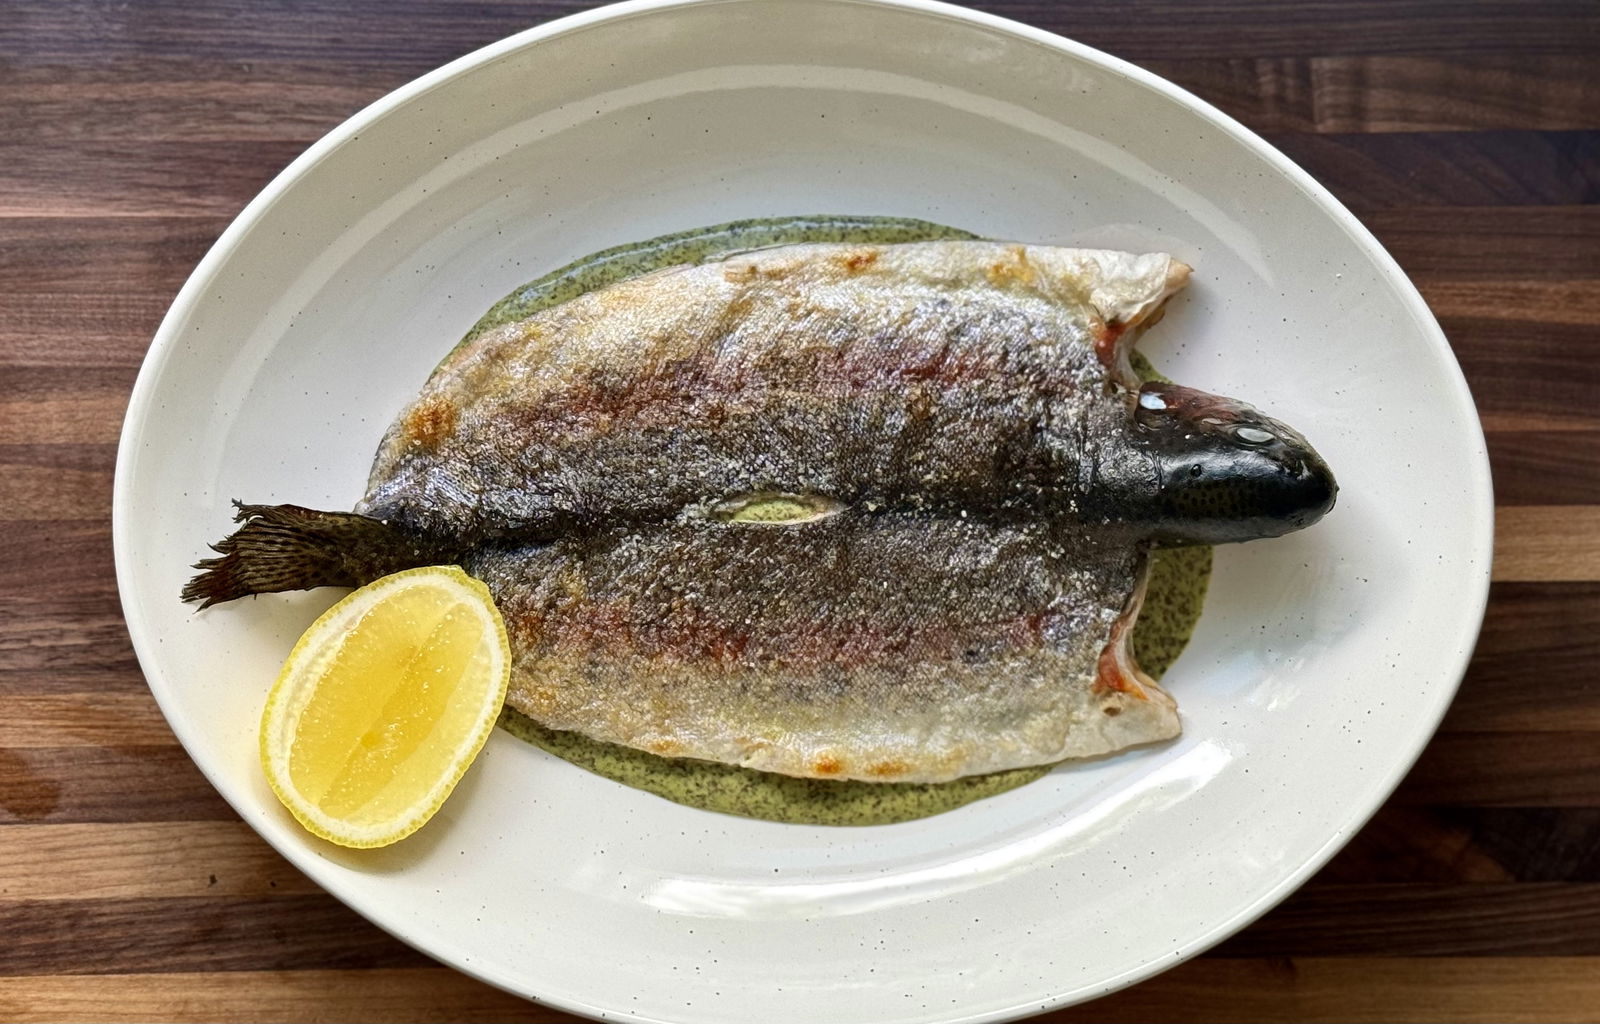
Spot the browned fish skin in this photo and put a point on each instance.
(861, 645)
(966, 478)
(950, 402)
(874, 376)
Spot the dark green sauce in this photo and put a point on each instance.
(1178, 576)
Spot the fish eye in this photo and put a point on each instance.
(1253, 435)
(1152, 401)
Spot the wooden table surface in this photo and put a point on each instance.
(1466, 135)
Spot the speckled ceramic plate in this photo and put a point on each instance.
(1320, 668)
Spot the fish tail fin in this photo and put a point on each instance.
(287, 547)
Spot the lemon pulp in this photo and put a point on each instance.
(384, 703)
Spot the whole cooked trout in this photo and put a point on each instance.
(874, 512)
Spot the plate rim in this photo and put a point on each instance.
(1471, 607)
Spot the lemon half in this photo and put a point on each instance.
(383, 704)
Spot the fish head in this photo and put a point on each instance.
(1224, 470)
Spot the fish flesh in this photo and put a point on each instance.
(849, 511)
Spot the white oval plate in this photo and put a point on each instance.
(1321, 667)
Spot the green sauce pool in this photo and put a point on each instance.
(1178, 576)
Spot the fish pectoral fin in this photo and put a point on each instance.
(287, 547)
(1126, 312)
(1117, 670)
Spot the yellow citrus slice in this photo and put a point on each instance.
(383, 704)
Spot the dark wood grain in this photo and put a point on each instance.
(1335, 990)
(154, 99)
(1369, 94)
(1410, 844)
(110, 783)
(1492, 243)
(143, 860)
(176, 178)
(1508, 769)
(429, 33)
(1530, 372)
(66, 253)
(1466, 136)
(144, 100)
(72, 330)
(1451, 168)
(301, 931)
(56, 481)
(1537, 652)
(1419, 919)
(1544, 467)
(182, 933)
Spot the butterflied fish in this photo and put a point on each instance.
(875, 512)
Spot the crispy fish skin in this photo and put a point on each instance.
(837, 511)
(882, 647)
(948, 618)
(935, 375)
